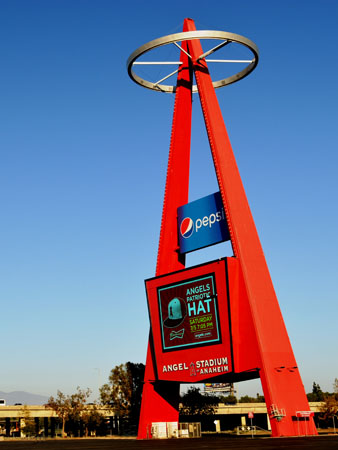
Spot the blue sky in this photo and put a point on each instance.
(83, 161)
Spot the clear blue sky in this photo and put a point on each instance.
(83, 162)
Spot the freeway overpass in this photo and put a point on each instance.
(226, 416)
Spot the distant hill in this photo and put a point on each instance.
(25, 398)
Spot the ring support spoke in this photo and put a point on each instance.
(248, 61)
(165, 78)
(155, 63)
(209, 52)
(182, 49)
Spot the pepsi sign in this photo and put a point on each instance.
(202, 223)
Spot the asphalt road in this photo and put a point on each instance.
(212, 443)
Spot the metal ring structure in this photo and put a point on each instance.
(188, 36)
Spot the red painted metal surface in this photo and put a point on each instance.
(246, 359)
(160, 400)
(197, 362)
(281, 381)
(260, 343)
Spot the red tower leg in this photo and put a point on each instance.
(281, 381)
(160, 400)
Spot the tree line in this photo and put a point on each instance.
(75, 413)
(121, 398)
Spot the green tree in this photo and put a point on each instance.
(69, 407)
(61, 406)
(317, 394)
(329, 408)
(27, 423)
(228, 399)
(247, 399)
(260, 398)
(123, 392)
(335, 387)
(92, 418)
(193, 402)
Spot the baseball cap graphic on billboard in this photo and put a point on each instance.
(187, 227)
(174, 309)
(176, 313)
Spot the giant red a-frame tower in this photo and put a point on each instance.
(247, 337)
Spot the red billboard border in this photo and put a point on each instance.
(195, 363)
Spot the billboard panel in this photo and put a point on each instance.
(219, 387)
(202, 223)
(188, 313)
(190, 323)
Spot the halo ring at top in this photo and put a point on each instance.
(188, 36)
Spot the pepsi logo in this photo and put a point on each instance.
(187, 227)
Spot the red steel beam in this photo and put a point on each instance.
(160, 400)
(281, 381)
